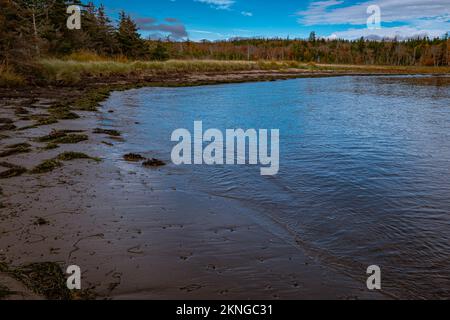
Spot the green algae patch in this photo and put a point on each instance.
(62, 112)
(113, 133)
(6, 120)
(153, 163)
(50, 146)
(15, 149)
(5, 292)
(7, 127)
(12, 170)
(46, 166)
(41, 221)
(45, 278)
(133, 157)
(63, 137)
(91, 101)
(69, 156)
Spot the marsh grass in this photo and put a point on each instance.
(8, 78)
(72, 70)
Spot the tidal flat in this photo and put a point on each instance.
(139, 233)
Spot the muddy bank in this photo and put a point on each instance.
(68, 197)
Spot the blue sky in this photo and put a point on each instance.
(223, 19)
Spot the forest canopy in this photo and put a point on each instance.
(31, 29)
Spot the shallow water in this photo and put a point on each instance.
(364, 166)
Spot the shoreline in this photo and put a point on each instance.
(81, 223)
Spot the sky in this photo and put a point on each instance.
(224, 19)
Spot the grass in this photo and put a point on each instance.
(71, 71)
(9, 78)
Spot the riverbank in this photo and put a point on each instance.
(59, 206)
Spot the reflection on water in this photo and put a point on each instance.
(364, 166)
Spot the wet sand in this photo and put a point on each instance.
(135, 235)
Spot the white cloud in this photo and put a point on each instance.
(247, 14)
(218, 4)
(400, 33)
(333, 11)
(417, 17)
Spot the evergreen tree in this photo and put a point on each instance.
(159, 52)
(129, 40)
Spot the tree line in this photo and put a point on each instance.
(35, 28)
(412, 52)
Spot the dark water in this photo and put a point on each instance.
(364, 166)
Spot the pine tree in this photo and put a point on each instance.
(130, 42)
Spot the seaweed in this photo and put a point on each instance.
(5, 292)
(46, 121)
(63, 137)
(13, 170)
(44, 278)
(21, 111)
(68, 156)
(133, 157)
(62, 112)
(6, 120)
(41, 222)
(46, 166)
(8, 127)
(50, 146)
(71, 138)
(153, 163)
(15, 149)
(113, 133)
(90, 101)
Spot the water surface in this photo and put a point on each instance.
(364, 166)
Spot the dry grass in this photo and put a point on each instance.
(10, 79)
(84, 64)
(72, 70)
